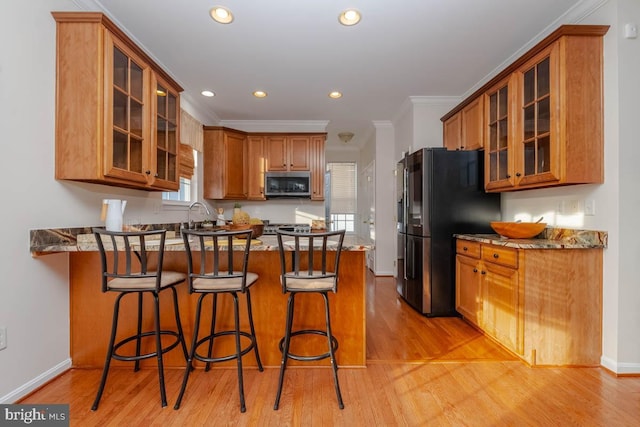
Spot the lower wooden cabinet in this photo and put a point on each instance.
(544, 305)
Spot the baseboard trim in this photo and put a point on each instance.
(620, 368)
(36, 383)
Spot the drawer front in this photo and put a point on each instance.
(468, 248)
(500, 255)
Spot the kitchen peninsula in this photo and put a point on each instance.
(91, 310)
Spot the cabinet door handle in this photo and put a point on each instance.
(475, 270)
(464, 248)
(518, 174)
(148, 172)
(508, 176)
(496, 256)
(483, 272)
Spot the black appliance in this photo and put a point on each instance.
(287, 184)
(440, 193)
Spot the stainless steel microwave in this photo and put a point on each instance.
(287, 184)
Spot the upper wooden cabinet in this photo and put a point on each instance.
(256, 165)
(117, 112)
(464, 130)
(288, 152)
(543, 121)
(224, 163)
(235, 162)
(317, 167)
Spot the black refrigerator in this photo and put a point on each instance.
(439, 193)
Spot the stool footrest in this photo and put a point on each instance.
(334, 345)
(233, 356)
(127, 358)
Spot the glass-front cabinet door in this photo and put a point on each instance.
(127, 130)
(499, 133)
(537, 143)
(165, 149)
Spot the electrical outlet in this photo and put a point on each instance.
(3, 338)
(590, 207)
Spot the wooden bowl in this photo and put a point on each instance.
(258, 229)
(518, 230)
(237, 227)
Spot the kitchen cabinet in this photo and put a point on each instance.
(224, 164)
(544, 305)
(543, 114)
(255, 167)
(557, 136)
(116, 110)
(499, 168)
(235, 162)
(317, 167)
(501, 309)
(288, 152)
(464, 130)
(468, 281)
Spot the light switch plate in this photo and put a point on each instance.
(3, 338)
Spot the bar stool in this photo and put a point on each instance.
(304, 274)
(213, 276)
(136, 277)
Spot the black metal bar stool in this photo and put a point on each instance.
(304, 274)
(138, 278)
(214, 277)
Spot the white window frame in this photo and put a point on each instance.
(193, 193)
(337, 218)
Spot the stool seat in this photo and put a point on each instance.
(305, 268)
(225, 284)
(213, 274)
(146, 282)
(137, 277)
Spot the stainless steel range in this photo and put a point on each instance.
(270, 229)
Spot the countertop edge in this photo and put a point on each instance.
(587, 240)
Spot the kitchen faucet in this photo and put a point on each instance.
(190, 223)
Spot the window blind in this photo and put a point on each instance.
(343, 187)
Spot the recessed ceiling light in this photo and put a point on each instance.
(260, 94)
(221, 14)
(349, 17)
(335, 94)
(208, 93)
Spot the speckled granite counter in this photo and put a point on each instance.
(550, 238)
(80, 239)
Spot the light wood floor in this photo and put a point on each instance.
(435, 372)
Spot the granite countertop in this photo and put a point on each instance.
(51, 240)
(550, 238)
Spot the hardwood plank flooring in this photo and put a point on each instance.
(420, 371)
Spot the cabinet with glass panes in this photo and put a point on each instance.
(544, 121)
(116, 110)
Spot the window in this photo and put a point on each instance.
(188, 190)
(342, 202)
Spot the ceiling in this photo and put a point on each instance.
(297, 52)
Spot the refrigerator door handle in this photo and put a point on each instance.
(405, 199)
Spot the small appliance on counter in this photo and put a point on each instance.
(113, 213)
